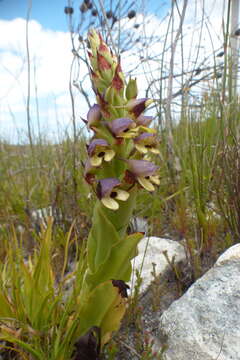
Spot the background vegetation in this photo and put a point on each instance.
(42, 183)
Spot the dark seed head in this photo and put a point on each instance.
(237, 32)
(131, 14)
(136, 26)
(94, 12)
(220, 54)
(83, 8)
(68, 10)
(109, 14)
(114, 19)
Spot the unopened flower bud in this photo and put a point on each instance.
(131, 90)
(94, 40)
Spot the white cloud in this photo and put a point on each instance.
(50, 60)
(200, 41)
(51, 57)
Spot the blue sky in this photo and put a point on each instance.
(50, 14)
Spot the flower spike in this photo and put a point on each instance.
(117, 161)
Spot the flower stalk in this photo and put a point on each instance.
(116, 169)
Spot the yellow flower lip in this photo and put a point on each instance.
(145, 173)
(108, 192)
(99, 150)
(146, 142)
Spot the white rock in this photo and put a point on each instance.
(232, 254)
(139, 224)
(151, 254)
(204, 324)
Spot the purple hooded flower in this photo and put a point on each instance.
(93, 115)
(145, 173)
(146, 142)
(99, 150)
(144, 120)
(123, 127)
(108, 192)
(137, 106)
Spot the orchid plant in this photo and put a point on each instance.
(119, 164)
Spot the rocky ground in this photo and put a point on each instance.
(139, 337)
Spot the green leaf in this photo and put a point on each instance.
(101, 238)
(43, 271)
(118, 264)
(12, 339)
(104, 307)
(5, 307)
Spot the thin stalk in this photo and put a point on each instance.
(28, 76)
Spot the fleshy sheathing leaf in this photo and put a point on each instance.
(104, 307)
(37, 354)
(101, 238)
(37, 291)
(43, 275)
(6, 309)
(118, 264)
